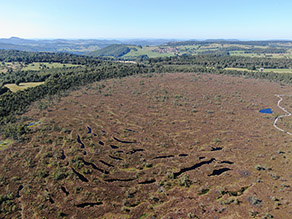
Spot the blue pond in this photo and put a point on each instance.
(80, 142)
(268, 110)
(33, 123)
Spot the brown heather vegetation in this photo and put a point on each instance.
(157, 146)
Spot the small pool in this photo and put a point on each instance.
(268, 110)
(33, 123)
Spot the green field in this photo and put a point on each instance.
(162, 51)
(245, 49)
(279, 70)
(5, 66)
(257, 55)
(35, 66)
(45, 65)
(22, 86)
(275, 70)
(137, 51)
(237, 69)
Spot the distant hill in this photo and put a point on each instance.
(147, 42)
(16, 47)
(272, 49)
(16, 40)
(233, 41)
(131, 49)
(56, 45)
(115, 50)
(78, 46)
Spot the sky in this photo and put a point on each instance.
(167, 19)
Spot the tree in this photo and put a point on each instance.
(17, 82)
(253, 68)
(3, 90)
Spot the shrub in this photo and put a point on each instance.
(59, 174)
(185, 181)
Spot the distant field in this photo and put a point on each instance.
(22, 86)
(266, 55)
(137, 51)
(79, 50)
(45, 65)
(276, 70)
(195, 48)
(189, 47)
(242, 53)
(5, 66)
(279, 70)
(238, 69)
(239, 52)
(35, 66)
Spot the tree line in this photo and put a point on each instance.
(224, 61)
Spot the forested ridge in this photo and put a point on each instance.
(29, 57)
(96, 69)
(235, 42)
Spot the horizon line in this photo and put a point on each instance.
(147, 38)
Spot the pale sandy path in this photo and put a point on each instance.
(286, 115)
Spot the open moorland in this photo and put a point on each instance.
(179, 145)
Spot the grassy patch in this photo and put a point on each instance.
(278, 70)
(149, 51)
(9, 66)
(144, 216)
(36, 66)
(275, 70)
(238, 69)
(22, 86)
